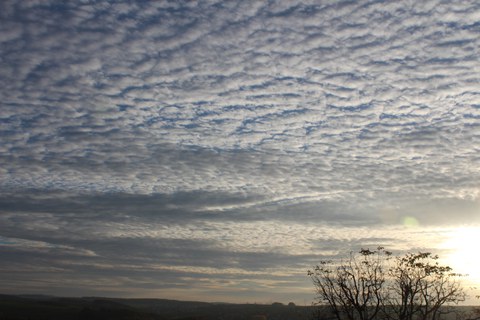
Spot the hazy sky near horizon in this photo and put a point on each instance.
(216, 150)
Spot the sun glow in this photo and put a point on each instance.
(463, 252)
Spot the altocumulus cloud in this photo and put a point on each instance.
(223, 147)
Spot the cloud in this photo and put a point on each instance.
(126, 120)
(40, 246)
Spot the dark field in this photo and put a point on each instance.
(93, 308)
(30, 307)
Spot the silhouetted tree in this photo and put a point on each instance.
(373, 283)
(420, 286)
(353, 288)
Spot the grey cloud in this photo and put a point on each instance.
(121, 205)
(181, 112)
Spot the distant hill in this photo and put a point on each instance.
(172, 309)
(53, 308)
(31, 307)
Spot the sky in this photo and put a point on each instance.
(217, 150)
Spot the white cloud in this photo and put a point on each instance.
(310, 112)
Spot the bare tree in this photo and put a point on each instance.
(420, 286)
(374, 283)
(353, 288)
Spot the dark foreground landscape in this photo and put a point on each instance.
(27, 307)
(39, 307)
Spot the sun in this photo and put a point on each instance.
(463, 246)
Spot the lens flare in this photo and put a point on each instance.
(409, 221)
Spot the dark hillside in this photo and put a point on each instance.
(93, 308)
(51, 308)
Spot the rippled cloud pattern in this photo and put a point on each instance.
(204, 149)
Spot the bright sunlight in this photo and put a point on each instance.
(462, 245)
